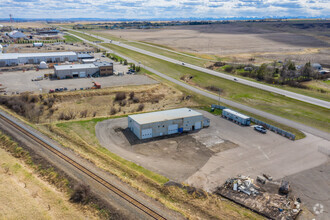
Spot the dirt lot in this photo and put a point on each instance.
(23, 193)
(238, 40)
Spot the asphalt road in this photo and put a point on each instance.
(281, 120)
(293, 95)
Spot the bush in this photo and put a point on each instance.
(120, 96)
(81, 194)
(131, 95)
(83, 114)
(113, 111)
(122, 103)
(229, 69)
(141, 107)
(136, 100)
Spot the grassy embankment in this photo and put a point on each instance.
(30, 190)
(305, 113)
(71, 39)
(85, 36)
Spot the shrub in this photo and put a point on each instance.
(136, 100)
(120, 96)
(122, 103)
(131, 95)
(81, 194)
(113, 111)
(229, 69)
(141, 107)
(83, 114)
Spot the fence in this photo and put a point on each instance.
(265, 125)
(274, 129)
(218, 106)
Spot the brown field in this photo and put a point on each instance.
(241, 41)
(23, 194)
(26, 24)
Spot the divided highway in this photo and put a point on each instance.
(278, 119)
(292, 95)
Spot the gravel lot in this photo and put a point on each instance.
(206, 159)
(20, 81)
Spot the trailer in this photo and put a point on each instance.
(236, 117)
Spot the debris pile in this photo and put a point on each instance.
(242, 184)
(263, 196)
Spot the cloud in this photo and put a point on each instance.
(140, 9)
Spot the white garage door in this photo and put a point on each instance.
(172, 129)
(198, 125)
(82, 74)
(146, 133)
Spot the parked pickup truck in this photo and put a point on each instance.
(260, 129)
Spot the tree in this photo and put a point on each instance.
(125, 62)
(262, 71)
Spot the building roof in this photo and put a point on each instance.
(84, 56)
(104, 63)
(236, 113)
(16, 34)
(75, 66)
(173, 114)
(17, 55)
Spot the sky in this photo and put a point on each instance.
(165, 9)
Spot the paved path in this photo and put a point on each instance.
(281, 120)
(293, 95)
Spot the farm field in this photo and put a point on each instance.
(238, 42)
(308, 114)
(24, 194)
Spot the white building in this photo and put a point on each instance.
(11, 59)
(167, 122)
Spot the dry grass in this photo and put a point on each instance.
(24, 195)
(101, 102)
(26, 24)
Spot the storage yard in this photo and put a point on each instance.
(207, 158)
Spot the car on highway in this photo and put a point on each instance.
(260, 128)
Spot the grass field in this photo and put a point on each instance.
(308, 114)
(71, 39)
(85, 36)
(23, 194)
(205, 60)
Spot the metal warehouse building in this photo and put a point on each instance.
(167, 122)
(76, 70)
(83, 70)
(11, 59)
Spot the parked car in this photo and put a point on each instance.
(260, 128)
(51, 91)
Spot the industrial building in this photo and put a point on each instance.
(105, 68)
(167, 122)
(82, 56)
(12, 59)
(83, 70)
(236, 117)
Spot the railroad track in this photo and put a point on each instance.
(83, 169)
